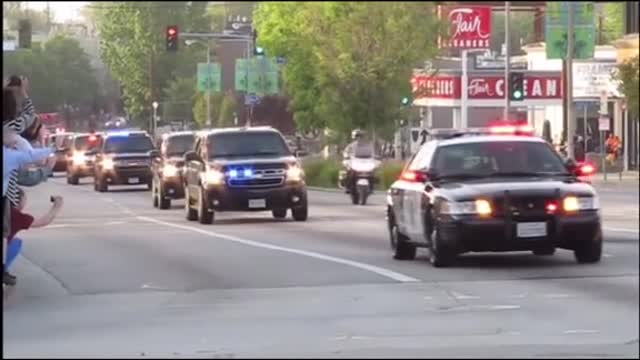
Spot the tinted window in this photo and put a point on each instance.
(247, 144)
(496, 158)
(126, 144)
(178, 145)
(87, 142)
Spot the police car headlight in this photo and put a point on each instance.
(477, 207)
(213, 177)
(295, 173)
(574, 203)
(169, 170)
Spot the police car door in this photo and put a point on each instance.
(414, 193)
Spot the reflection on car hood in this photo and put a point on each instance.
(534, 186)
(252, 160)
(121, 156)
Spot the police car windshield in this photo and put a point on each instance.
(247, 144)
(87, 142)
(128, 144)
(500, 158)
(179, 144)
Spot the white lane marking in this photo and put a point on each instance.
(614, 229)
(557, 296)
(499, 307)
(59, 226)
(152, 287)
(607, 255)
(460, 296)
(428, 298)
(517, 296)
(580, 331)
(371, 268)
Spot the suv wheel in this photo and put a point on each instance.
(101, 185)
(402, 249)
(439, 254)
(72, 179)
(301, 212)
(154, 194)
(190, 213)
(205, 216)
(279, 213)
(589, 251)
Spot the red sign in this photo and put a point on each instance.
(484, 87)
(470, 26)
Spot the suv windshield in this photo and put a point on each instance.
(247, 144)
(84, 143)
(180, 144)
(128, 144)
(506, 158)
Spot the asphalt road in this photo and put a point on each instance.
(114, 277)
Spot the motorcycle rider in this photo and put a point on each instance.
(360, 147)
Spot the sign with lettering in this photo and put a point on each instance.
(470, 26)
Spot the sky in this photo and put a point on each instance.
(61, 11)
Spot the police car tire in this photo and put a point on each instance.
(163, 202)
(439, 256)
(301, 213)
(402, 249)
(589, 252)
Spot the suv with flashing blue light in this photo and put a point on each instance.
(123, 159)
(243, 169)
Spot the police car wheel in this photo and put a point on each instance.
(589, 252)
(439, 255)
(402, 250)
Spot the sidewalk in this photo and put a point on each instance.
(626, 179)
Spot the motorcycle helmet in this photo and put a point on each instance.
(357, 133)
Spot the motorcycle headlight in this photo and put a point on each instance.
(107, 164)
(79, 158)
(169, 170)
(214, 177)
(295, 173)
(478, 207)
(574, 203)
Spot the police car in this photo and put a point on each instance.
(496, 189)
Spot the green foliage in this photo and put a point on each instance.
(227, 110)
(324, 173)
(180, 96)
(628, 74)
(200, 108)
(347, 61)
(60, 73)
(14, 11)
(613, 21)
(133, 46)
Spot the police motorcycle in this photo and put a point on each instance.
(358, 176)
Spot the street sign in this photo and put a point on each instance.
(281, 61)
(251, 99)
(258, 75)
(417, 139)
(556, 29)
(209, 77)
(603, 123)
(9, 45)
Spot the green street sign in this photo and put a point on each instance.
(209, 77)
(241, 75)
(556, 30)
(258, 75)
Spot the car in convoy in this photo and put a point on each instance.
(497, 189)
(167, 168)
(80, 157)
(61, 142)
(243, 169)
(123, 159)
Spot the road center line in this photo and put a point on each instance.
(371, 268)
(632, 231)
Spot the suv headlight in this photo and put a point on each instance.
(108, 164)
(169, 170)
(575, 203)
(213, 177)
(295, 173)
(478, 207)
(79, 158)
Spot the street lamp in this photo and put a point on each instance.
(153, 121)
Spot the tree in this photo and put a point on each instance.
(348, 63)
(180, 97)
(200, 108)
(133, 37)
(14, 11)
(628, 74)
(227, 110)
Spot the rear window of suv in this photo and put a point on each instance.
(128, 144)
(179, 144)
(242, 144)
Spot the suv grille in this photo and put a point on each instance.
(261, 178)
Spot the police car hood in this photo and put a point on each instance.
(252, 160)
(530, 186)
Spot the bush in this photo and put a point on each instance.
(324, 173)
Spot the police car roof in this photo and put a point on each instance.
(470, 139)
(239, 130)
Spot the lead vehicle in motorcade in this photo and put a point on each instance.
(81, 156)
(123, 159)
(167, 167)
(243, 169)
(497, 189)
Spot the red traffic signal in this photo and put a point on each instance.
(172, 38)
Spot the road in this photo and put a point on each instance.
(114, 277)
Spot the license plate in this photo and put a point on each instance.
(257, 203)
(364, 182)
(134, 180)
(532, 229)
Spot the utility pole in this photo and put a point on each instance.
(48, 18)
(571, 125)
(507, 59)
(209, 125)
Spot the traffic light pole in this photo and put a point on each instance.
(209, 87)
(507, 60)
(571, 125)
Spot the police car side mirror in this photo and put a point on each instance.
(190, 156)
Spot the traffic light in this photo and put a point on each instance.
(24, 34)
(172, 38)
(405, 101)
(516, 86)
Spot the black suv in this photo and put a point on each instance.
(123, 159)
(80, 156)
(243, 169)
(167, 168)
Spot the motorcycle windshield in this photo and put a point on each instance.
(364, 165)
(363, 152)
